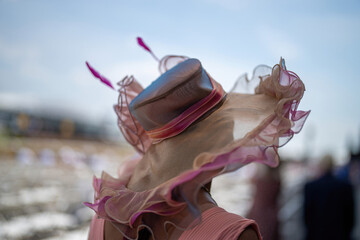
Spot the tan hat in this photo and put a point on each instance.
(228, 134)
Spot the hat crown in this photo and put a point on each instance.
(171, 94)
(185, 71)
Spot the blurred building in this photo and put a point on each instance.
(30, 123)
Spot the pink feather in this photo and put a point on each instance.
(143, 45)
(99, 76)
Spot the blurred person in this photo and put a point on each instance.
(96, 162)
(265, 205)
(328, 205)
(25, 156)
(351, 172)
(187, 131)
(47, 157)
(67, 155)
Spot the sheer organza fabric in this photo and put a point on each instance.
(161, 188)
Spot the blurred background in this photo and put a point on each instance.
(58, 127)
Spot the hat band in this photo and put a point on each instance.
(190, 115)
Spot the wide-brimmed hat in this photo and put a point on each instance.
(188, 131)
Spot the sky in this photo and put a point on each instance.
(44, 45)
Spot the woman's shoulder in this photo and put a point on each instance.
(249, 234)
(216, 223)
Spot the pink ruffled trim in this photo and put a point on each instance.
(177, 194)
(133, 132)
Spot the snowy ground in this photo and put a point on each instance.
(43, 187)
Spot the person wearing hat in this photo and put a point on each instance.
(188, 130)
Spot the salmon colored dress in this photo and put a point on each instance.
(216, 224)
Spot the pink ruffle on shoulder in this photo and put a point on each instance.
(133, 132)
(255, 126)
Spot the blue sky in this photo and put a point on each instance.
(44, 44)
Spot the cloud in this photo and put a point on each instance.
(16, 101)
(11, 52)
(278, 43)
(23, 62)
(144, 71)
(333, 29)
